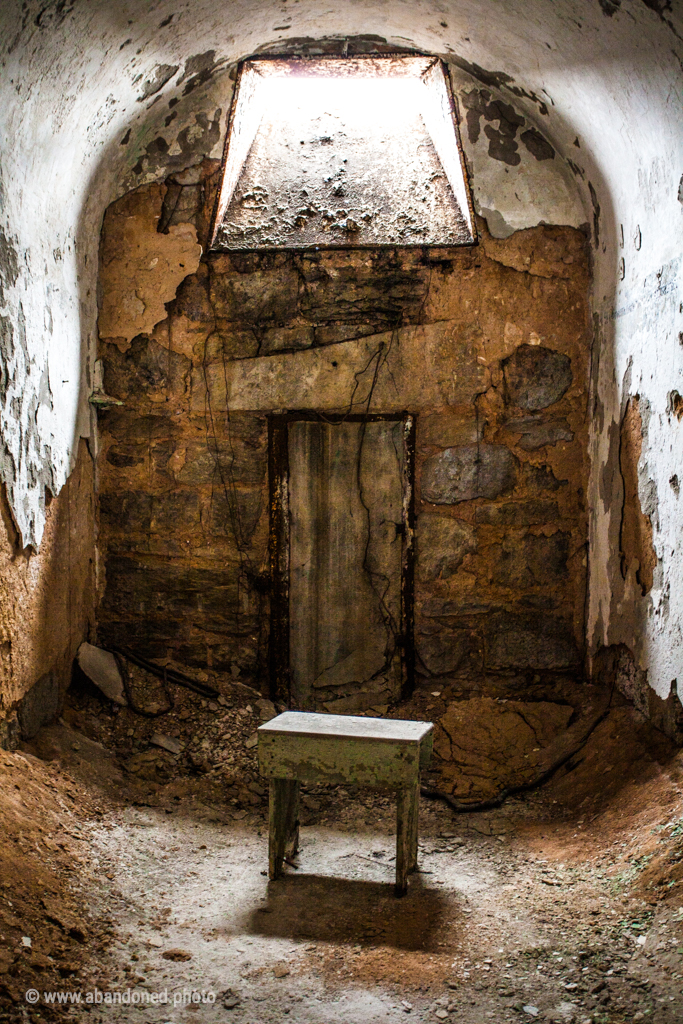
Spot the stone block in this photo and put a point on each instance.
(137, 545)
(140, 465)
(530, 561)
(534, 512)
(545, 251)
(443, 608)
(10, 733)
(238, 512)
(193, 653)
(537, 433)
(264, 296)
(535, 641)
(539, 480)
(450, 652)
(171, 590)
(376, 286)
(422, 365)
(448, 428)
(125, 456)
(442, 544)
(126, 511)
(536, 377)
(249, 429)
(128, 425)
(280, 339)
(140, 512)
(175, 512)
(231, 653)
(192, 298)
(146, 368)
(358, 702)
(331, 334)
(222, 463)
(101, 668)
(227, 342)
(542, 602)
(238, 428)
(467, 472)
(148, 637)
(161, 452)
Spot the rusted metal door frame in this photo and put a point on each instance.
(278, 551)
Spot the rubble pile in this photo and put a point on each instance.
(171, 734)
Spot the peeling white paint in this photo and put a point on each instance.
(649, 315)
(512, 197)
(70, 91)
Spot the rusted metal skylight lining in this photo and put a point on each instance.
(332, 152)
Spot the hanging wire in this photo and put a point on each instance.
(250, 578)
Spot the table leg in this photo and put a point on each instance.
(407, 803)
(414, 817)
(283, 826)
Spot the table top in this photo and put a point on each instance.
(304, 723)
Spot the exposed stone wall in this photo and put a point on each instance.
(502, 541)
(635, 538)
(488, 346)
(107, 103)
(616, 666)
(46, 603)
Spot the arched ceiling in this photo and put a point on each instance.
(86, 84)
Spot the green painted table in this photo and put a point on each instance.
(382, 753)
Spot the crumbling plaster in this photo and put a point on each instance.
(491, 359)
(47, 602)
(89, 90)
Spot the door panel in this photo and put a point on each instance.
(347, 512)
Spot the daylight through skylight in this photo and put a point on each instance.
(339, 152)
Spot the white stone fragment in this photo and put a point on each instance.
(169, 743)
(100, 667)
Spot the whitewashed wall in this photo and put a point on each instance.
(86, 89)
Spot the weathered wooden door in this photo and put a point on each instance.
(345, 545)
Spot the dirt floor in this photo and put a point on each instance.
(132, 873)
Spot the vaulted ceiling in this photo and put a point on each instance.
(88, 87)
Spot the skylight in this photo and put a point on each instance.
(342, 152)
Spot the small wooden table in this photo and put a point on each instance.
(382, 753)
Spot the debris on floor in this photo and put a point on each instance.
(484, 748)
(134, 867)
(101, 668)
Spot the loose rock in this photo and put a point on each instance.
(177, 955)
(101, 668)
(230, 999)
